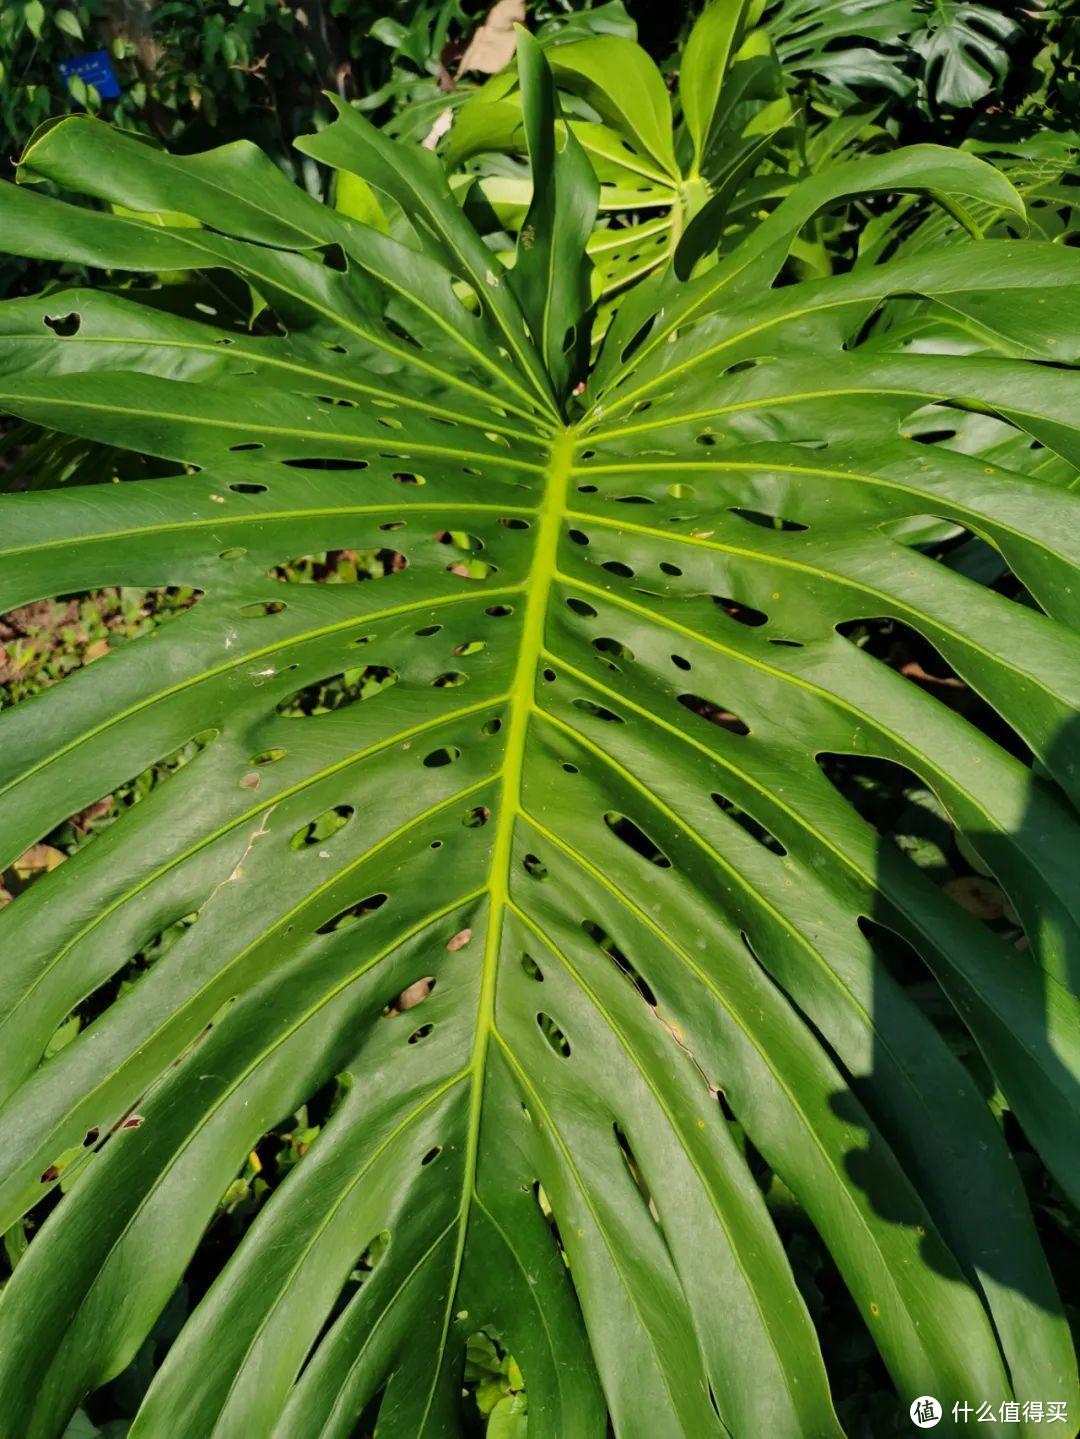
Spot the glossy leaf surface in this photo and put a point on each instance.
(576, 766)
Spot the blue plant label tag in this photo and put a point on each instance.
(94, 68)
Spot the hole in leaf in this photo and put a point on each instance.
(472, 569)
(615, 954)
(461, 540)
(637, 339)
(744, 614)
(768, 522)
(633, 835)
(750, 825)
(321, 828)
(338, 567)
(262, 607)
(360, 910)
(337, 692)
(531, 968)
(715, 714)
(445, 755)
(554, 1035)
(326, 463)
(534, 867)
(634, 1170)
(599, 712)
(64, 326)
(581, 607)
(611, 650)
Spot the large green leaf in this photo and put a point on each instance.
(698, 175)
(570, 791)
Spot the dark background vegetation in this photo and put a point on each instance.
(196, 73)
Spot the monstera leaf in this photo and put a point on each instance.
(536, 834)
(755, 102)
(965, 52)
(854, 47)
(655, 173)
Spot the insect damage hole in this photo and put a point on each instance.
(742, 614)
(337, 692)
(634, 1170)
(749, 824)
(63, 326)
(600, 712)
(604, 941)
(624, 828)
(714, 713)
(360, 910)
(322, 826)
(610, 650)
(554, 1035)
(447, 754)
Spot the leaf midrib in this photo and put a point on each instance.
(520, 708)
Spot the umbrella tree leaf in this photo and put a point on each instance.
(528, 824)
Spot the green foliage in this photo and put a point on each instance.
(181, 65)
(192, 70)
(759, 95)
(575, 902)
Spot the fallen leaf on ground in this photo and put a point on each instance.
(493, 43)
(85, 818)
(38, 859)
(980, 897)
